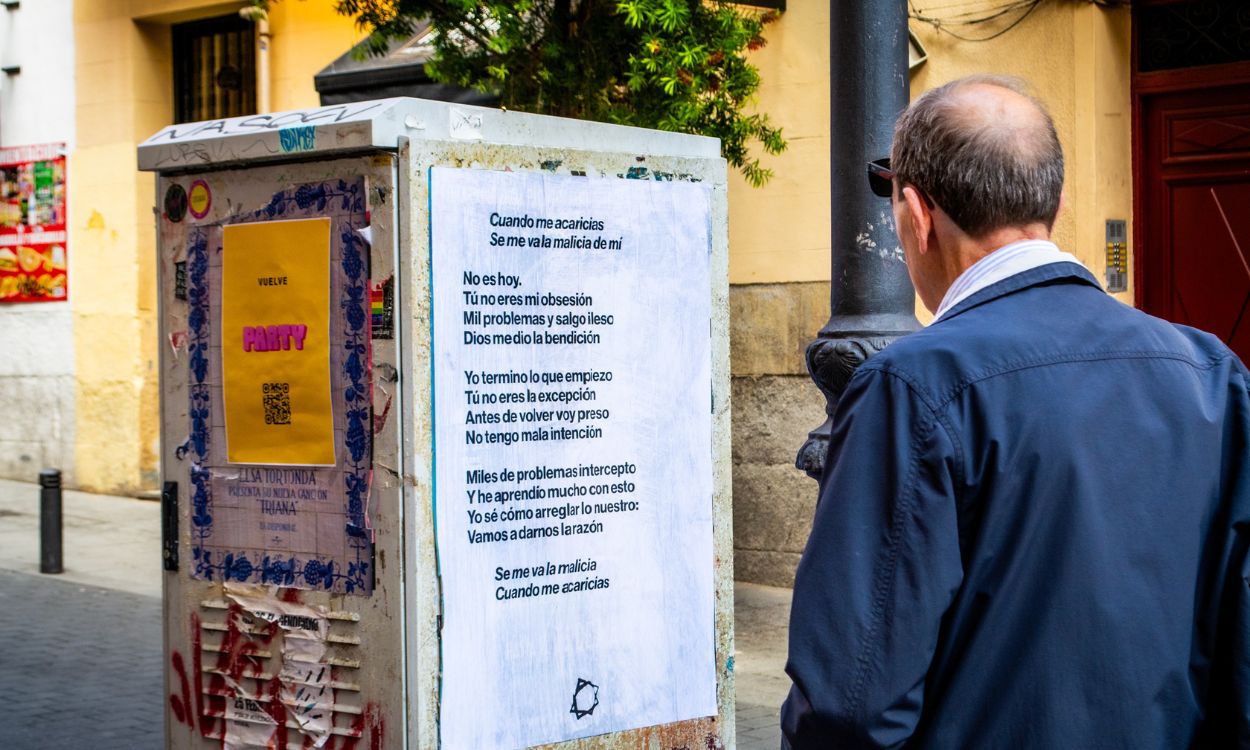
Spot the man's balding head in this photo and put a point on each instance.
(985, 151)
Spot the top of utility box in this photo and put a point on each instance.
(380, 124)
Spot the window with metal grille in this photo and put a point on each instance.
(214, 69)
(1174, 34)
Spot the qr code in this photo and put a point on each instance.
(277, 398)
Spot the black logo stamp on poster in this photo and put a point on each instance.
(585, 698)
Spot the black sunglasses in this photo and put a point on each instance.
(881, 178)
(881, 181)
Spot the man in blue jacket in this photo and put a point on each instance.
(1034, 520)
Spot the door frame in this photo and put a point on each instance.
(1145, 86)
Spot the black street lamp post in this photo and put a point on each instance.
(871, 297)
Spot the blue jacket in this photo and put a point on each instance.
(1032, 533)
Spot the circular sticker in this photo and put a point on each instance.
(175, 203)
(200, 200)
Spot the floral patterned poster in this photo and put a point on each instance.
(33, 261)
(285, 522)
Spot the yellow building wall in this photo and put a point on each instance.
(306, 36)
(780, 232)
(1076, 56)
(124, 83)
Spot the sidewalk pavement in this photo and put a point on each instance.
(82, 666)
(84, 662)
(761, 627)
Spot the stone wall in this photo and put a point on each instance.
(775, 405)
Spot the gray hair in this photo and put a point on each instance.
(985, 174)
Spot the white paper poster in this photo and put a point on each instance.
(573, 469)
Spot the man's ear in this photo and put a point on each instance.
(921, 224)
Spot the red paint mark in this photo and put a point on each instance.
(379, 420)
(178, 342)
(181, 705)
(357, 729)
(238, 650)
(236, 660)
(176, 706)
(374, 712)
(197, 663)
(277, 709)
(289, 595)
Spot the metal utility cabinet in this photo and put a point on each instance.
(445, 431)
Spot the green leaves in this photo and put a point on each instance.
(692, 76)
(633, 12)
(671, 15)
(671, 64)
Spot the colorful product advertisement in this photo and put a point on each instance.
(33, 258)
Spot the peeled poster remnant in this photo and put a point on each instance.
(301, 693)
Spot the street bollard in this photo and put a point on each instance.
(50, 521)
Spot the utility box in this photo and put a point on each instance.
(445, 431)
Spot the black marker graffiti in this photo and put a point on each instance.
(237, 125)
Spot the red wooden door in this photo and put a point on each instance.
(1193, 224)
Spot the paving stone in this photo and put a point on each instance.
(760, 617)
(82, 668)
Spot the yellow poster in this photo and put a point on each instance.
(275, 349)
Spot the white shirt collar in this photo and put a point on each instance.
(1004, 262)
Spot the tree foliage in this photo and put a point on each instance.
(677, 65)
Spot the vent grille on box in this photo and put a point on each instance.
(270, 673)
